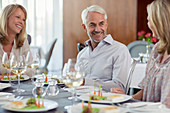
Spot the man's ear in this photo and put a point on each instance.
(84, 27)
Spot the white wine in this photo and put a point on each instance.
(7, 66)
(33, 66)
(74, 84)
(18, 70)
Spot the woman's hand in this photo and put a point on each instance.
(117, 90)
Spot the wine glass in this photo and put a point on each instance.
(33, 61)
(73, 74)
(6, 64)
(18, 68)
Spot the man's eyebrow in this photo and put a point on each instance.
(102, 22)
(92, 23)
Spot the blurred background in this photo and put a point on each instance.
(60, 19)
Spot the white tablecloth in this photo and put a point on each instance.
(138, 75)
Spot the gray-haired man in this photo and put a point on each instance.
(107, 62)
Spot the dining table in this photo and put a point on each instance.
(61, 98)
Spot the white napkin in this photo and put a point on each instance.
(82, 89)
(140, 104)
(6, 97)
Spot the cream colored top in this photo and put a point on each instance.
(20, 51)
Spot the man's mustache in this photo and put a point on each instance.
(97, 32)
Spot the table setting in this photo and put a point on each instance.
(48, 96)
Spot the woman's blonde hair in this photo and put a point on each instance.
(159, 15)
(5, 14)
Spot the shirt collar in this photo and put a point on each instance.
(108, 39)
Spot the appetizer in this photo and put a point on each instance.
(30, 104)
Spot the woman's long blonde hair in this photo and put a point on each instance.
(159, 15)
(5, 14)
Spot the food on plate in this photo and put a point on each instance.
(96, 97)
(99, 96)
(115, 97)
(110, 109)
(89, 109)
(17, 104)
(31, 103)
(14, 77)
(46, 79)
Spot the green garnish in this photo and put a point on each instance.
(5, 79)
(90, 110)
(32, 107)
(46, 73)
(95, 97)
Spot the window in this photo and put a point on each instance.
(44, 24)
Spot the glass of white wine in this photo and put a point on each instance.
(33, 61)
(6, 63)
(73, 74)
(19, 68)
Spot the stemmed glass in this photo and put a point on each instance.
(19, 68)
(6, 63)
(33, 61)
(73, 74)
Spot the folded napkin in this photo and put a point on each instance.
(82, 89)
(6, 97)
(140, 104)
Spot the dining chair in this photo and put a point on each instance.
(80, 46)
(49, 52)
(133, 64)
(46, 55)
(137, 47)
(29, 39)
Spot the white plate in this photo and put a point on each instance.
(151, 108)
(26, 77)
(49, 104)
(82, 89)
(78, 108)
(4, 85)
(123, 98)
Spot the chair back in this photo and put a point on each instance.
(137, 47)
(29, 39)
(80, 46)
(49, 53)
(133, 64)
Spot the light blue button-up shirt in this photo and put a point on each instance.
(107, 65)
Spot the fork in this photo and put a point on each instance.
(18, 98)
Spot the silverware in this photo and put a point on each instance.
(18, 98)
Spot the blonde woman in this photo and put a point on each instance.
(155, 87)
(13, 33)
